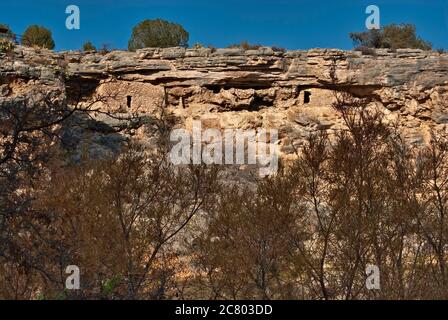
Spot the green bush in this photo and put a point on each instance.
(38, 36)
(393, 36)
(6, 45)
(366, 51)
(88, 46)
(158, 33)
(245, 45)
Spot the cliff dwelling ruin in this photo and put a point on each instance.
(291, 91)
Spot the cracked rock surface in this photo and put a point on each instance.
(233, 88)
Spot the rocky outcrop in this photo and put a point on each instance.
(290, 91)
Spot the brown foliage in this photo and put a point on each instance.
(140, 228)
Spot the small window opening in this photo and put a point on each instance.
(307, 97)
(129, 101)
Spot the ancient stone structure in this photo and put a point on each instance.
(291, 91)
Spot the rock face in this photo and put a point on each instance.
(289, 91)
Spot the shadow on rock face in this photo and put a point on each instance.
(99, 139)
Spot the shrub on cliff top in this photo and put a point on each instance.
(158, 33)
(6, 45)
(393, 36)
(38, 36)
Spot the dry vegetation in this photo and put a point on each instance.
(140, 228)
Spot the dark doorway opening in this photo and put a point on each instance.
(129, 101)
(307, 97)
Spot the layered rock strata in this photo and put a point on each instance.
(290, 91)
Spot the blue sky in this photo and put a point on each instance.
(293, 24)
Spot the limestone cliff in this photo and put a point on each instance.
(290, 91)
